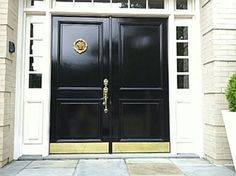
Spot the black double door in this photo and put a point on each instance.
(131, 53)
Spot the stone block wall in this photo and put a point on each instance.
(218, 46)
(8, 32)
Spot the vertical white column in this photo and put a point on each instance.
(19, 84)
(172, 77)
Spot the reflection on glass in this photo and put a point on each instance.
(35, 64)
(182, 4)
(183, 81)
(137, 3)
(36, 47)
(156, 4)
(101, 3)
(182, 65)
(182, 33)
(83, 3)
(64, 0)
(64, 3)
(36, 30)
(182, 49)
(31, 46)
(120, 3)
(36, 3)
(31, 67)
(35, 80)
(31, 30)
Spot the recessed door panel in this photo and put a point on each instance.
(141, 120)
(140, 61)
(80, 70)
(86, 116)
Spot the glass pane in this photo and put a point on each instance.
(35, 80)
(64, 3)
(36, 30)
(182, 33)
(83, 3)
(120, 3)
(156, 4)
(35, 64)
(182, 49)
(36, 3)
(137, 3)
(183, 81)
(102, 3)
(182, 65)
(31, 67)
(36, 47)
(182, 4)
(31, 46)
(64, 0)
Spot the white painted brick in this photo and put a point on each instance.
(8, 29)
(219, 58)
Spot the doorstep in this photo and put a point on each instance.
(116, 167)
(106, 156)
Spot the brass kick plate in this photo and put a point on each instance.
(103, 147)
(141, 147)
(73, 148)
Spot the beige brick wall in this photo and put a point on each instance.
(218, 31)
(8, 32)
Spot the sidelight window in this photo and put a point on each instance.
(182, 54)
(34, 56)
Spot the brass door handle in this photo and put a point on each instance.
(105, 95)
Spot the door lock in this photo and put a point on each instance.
(105, 95)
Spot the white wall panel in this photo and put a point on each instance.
(184, 122)
(33, 122)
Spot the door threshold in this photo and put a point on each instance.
(107, 156)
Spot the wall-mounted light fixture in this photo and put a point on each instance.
(12, 47)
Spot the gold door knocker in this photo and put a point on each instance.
(105, 95)
(80, 46)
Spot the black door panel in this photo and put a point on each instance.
(132, 54)
(76, 105)
(140, 80)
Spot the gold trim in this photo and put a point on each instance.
(62, 148)
(80, 46)
(139, 147)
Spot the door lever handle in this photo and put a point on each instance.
(105, 95)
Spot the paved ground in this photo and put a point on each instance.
(115, 167)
